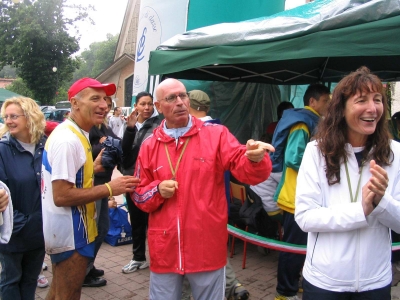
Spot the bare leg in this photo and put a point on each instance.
(68, 277)
(51, 295)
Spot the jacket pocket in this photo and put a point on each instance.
(334, 255)
(203, 163)
(163, 248)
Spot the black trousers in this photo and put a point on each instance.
(290, 264)
(312, 292)
(139, 221)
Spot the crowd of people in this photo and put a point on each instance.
(331, 180)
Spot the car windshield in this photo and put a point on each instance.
(57, 115)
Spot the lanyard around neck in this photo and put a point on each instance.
(174, 170)
(73, 121)
(349, 183)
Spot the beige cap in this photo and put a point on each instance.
(199, 100)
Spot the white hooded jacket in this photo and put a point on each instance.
(346, 251)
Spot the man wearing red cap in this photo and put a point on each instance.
(68, 194)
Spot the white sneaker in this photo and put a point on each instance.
(44, 266)
(42, 281)
(134, 265)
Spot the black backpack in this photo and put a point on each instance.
(253, 214)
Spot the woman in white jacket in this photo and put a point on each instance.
(348, 195)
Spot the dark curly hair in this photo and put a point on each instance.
(332, 131)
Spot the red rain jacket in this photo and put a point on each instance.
(188, 232)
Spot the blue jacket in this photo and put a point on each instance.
(95, 134)
(290, 117)
(21, 172)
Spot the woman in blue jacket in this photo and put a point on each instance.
(21, 147)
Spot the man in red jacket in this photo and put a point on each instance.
(182, 188)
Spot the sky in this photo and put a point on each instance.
(108, 18)
(293, 3)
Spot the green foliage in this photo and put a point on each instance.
(34, 39)
(62, 93)
(97, 58)
(18, 86)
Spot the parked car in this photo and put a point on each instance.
(46, 108)
(63, 104)
(57, 115)
(54, 117)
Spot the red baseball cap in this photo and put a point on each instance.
(86, 82)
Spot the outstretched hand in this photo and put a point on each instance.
(256, 150)
(123, 184)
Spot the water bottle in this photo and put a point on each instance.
(123, 233)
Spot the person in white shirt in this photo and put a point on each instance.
(69, 216)
(117, 121)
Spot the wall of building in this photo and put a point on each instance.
(5, 82)
(130, 44)
(124, 74)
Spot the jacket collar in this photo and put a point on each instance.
(312, 110)
(160, 134)
(7, 138)
(149, 122)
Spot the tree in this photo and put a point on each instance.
(97, 58)
(19, 86)
(34, 39)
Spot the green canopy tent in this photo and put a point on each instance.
(320, 41)
(5, 94)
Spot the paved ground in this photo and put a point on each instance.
(259, 277)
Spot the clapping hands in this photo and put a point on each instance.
(375, 188)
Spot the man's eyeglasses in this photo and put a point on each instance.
(12, 117)
(172, 98)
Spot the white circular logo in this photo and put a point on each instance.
(149, 37)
